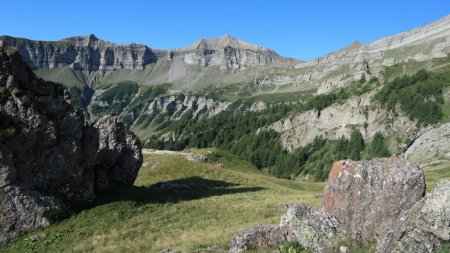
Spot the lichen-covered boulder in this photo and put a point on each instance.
(423, 227)
(368, 197)
(313, 228)
(260, 236)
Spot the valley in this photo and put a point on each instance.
(108, 147)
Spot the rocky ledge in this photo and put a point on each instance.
(52, 159)
(379, 200)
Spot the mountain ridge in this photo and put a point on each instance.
(141, 55)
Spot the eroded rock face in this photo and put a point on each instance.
(49, 152)
(368, 197)
(260, 236)
(313, 228)
(424, 226)
(119, 155)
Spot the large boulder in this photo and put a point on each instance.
(260, 236)
(368, 197)
(49, 152)
(313, 228)
(119, 155)
(423, 227)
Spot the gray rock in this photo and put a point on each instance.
(343, 249)
(24, 210)
(91, 54)
(49, 153)
(431, 146)
(368, 197)
(119, 154)
(260, 236)
(313, 228)
(423, 227)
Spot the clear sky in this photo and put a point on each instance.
(294, 28)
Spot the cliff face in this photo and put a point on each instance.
(226, 52)
(92, 54)
(420, 44)
(81, 53)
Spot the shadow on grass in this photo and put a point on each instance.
(185, 189)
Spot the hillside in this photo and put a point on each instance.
(200, 212)
(265, 108)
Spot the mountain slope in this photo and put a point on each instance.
(203, 95)
(96, 58)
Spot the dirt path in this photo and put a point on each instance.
(163, 152)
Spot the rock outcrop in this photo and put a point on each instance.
(363, 200)
(177, 107)
(119, 155)
(226, 52)
(431, 146)
(368, 197)
(337, 120)
(418, 44)
(313, 228)
(49, 153)
(260, 236)
(423, 227)
(92, 54)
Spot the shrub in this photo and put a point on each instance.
(292, 247)
(7, 127)
(4, 94)
(378, 146)
(212, 157)
(443, 248)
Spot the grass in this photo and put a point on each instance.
(144, 218)
(436, 173)
(219, 203)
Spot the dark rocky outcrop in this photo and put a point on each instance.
(367, 197)
(424, 226)
(260, 236)
(50, 153)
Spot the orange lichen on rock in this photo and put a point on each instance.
(337, 169)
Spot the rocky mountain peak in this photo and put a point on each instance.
(88, 40)
(223, 42)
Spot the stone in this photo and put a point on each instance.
(260, 236)
(119, 155)
(50, 154)
(313, 228)
(430, 146)
(424, 227)
(343, 249)
(368, 197)
(24, 210)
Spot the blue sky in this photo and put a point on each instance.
(299, 29)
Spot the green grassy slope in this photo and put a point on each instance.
(144, 218)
